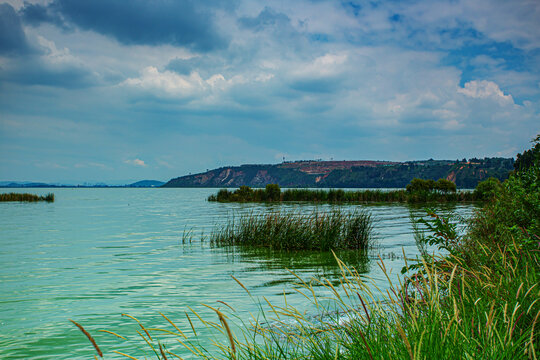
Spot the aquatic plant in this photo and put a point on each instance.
(296, 231)
(26, 197)
(419, 191)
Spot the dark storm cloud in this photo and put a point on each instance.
(34, 71)
(137, 22)
(28, 64)
(35, 14)
(12, 37)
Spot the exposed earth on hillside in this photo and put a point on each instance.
(370, 174)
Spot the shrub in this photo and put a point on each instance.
(272, 192)
(487, 189)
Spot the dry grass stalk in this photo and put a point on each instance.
(174, 325)
(126, 355)
(89, 337)
(242, 285)
(229, 333)
(113, 333)
(190, 323)
(162, 353)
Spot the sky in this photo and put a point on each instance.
(114, 91)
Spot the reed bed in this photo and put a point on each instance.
(26, 197)
(246, 194)
(295, 231)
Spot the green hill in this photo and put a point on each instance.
(350, 174)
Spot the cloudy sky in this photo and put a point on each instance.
(114, 90)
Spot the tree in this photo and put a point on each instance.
(445, 186)
(417, 184)
(487, 189)
(529, 158)
(273, 192)
(245, 192)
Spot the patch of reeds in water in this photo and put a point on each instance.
(296, 231)
(26, 197)
(246, 194)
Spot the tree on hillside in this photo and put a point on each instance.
(529, 157)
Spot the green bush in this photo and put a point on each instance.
(487, 189)
(272, 192)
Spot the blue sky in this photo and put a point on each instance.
(114, 91)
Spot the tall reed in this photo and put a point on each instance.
(246, 194)
(26, 197)
(296, 231)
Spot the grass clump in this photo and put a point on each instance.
(294, 231)
(26, 197)
(418, 191)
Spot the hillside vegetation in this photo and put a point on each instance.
(350, 174)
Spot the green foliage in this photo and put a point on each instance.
(442, 232)
(272, 192)
(292, 231)
(487, 189)
(466, 175)
(417, 185)
(514, 212)
(417, 192)
(445, 186)
(26, 197)
(528, 158)
(420, 185)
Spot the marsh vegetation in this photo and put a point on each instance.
(417, 191)
(26, 197)
(325, 231)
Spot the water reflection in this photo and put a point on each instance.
(278, 265)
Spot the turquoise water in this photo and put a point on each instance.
(94, 254)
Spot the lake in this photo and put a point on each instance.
(94, 254)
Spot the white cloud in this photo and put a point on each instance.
(135, 162)
(484, 89)
(326, 65)
(167, 81)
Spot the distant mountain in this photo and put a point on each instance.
(26, 184)
(146, 183)
(353, 174)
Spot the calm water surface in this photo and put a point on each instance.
(94, 254)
